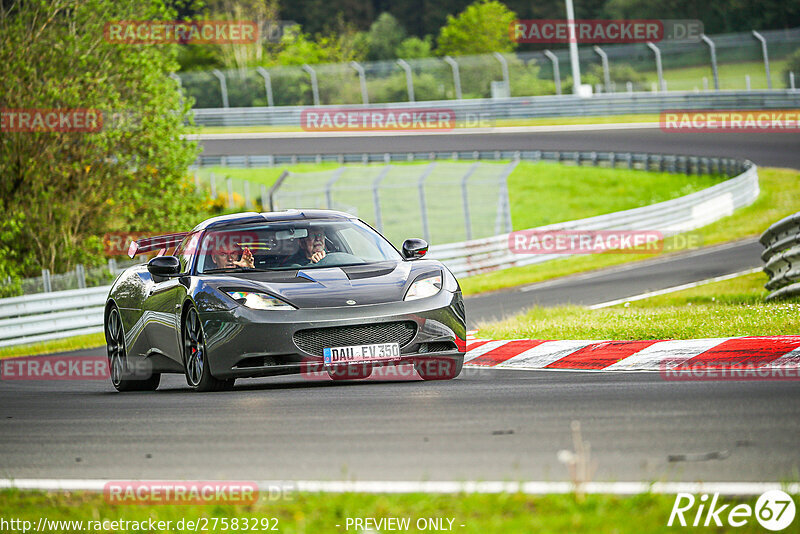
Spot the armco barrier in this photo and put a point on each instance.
(44, 316)
(479, 111)
(670, 217)
(58, 314)
(782, 256)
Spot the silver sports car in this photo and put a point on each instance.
(297, 291)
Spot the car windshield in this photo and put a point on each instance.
(289, 245)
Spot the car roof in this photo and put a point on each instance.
(251, 217)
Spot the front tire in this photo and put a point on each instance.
(195, 357)
(118, 366)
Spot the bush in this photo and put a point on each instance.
(793, 65)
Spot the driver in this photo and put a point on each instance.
(224, 256)
(312, 248)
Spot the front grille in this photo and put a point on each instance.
(314, 340)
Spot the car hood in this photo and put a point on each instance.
(326, 287)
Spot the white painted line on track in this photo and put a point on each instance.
(673, 289)
(631, 266)
(455, 131)
(401, 486)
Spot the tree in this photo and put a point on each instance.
(482, 28)
(384, 36)
(414, 47)
(61, 191)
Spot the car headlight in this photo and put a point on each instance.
(425, 286)
(259, 301)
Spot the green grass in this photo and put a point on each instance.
(731, 76)
(319, 513)
(87, 341)
(772, 205)
(544, 193)
(727, 308)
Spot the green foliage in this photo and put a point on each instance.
(793, 65)
(414, 47)
(384, 37)
(298, 48)
(620, 74)
(61, 191)
(482, 28)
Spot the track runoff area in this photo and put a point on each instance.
(710, 361)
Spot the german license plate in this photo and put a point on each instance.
(360, 353)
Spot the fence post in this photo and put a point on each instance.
(196, 183)
(659, 70)
(231, 205)
(409, 78)
(791, 80)
(274, 189)
(267, 84)
(80, 274)
(556, 74)
(376, 184)
(465, 199)
(46, 280)
(223, 86)
(456, 76)
(263, 203)
(503, 219)
(606, 74)
(314, 87)
(713, 50)
(504, 66)
(362, 79)
(329, 186)
(213, 181)
(246, 194)
(747, 82)
(421, 187)
(765, 55)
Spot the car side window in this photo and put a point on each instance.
(186, 250)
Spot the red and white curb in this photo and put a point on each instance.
(650, 355)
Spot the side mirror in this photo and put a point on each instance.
(164, 266)
(414, 248)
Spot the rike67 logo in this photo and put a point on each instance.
(774, 510)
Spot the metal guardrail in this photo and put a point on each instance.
(479, 112)
(670, 218)
(58, 314)
(781, 242)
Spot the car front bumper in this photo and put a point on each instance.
(243, 342)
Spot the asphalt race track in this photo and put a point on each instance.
(620, 282)
(485, 425)
(775, 149)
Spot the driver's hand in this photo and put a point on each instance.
(317, 256)
(247, 259)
